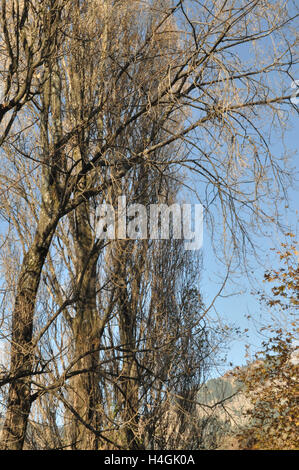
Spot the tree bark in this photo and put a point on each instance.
(22, 353)
(85, 394)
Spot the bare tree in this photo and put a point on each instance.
(103, 88)
(30, 33)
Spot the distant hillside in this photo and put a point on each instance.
(222, 410)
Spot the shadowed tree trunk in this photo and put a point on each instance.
(85, 394)
(22, 354)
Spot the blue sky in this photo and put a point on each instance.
(237, 300)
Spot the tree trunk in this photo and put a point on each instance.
(85, 394)
(128, 381)
(22, 354)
